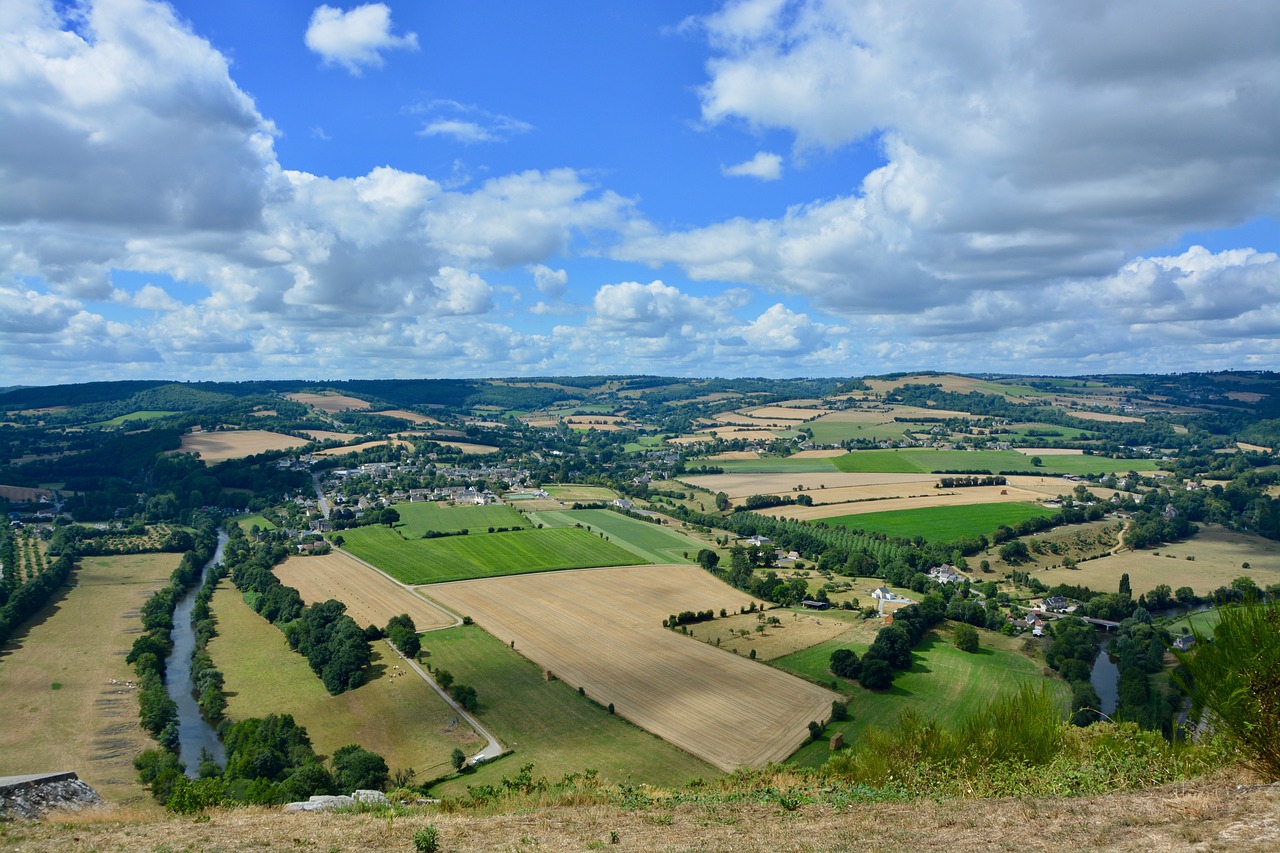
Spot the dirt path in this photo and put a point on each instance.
(1120, 546)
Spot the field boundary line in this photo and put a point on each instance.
(457, 620)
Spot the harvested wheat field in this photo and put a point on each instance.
(784, 413)
(331, 403)
(821, 453)
(601, 629)
(822, 484)
(735, 456)
(690, 439)
(468, 447)
(406, 415)
(750, 433)
(356, 448)
(939, 497)
(328, 435)
(221, 445)
(1103, 416)
(21, 494)
(371, 597)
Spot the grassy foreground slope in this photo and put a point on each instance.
(765, 817)
(482, 555)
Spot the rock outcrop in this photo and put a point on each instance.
(33, 796)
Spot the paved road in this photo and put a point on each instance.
(320, 498)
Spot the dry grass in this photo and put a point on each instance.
(919, 500)
(691, 439)
(221, 445)
(468, 447)
(747, 432)
(797, 631)
(371, 598)
(88, 722)
(356, 448)
(405, 415)
(785, 413)
(22, 494)
(822, 486)
(601, 629)
(1207, 815)
(327, 435)
(1102, 416)
(1219, 555)
(330, 403)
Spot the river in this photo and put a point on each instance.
(194, 732)
(1105, 676)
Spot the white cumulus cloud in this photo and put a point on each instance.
(357, 38)
(764, 166)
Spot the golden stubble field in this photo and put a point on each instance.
(65, 687)
(371, 598)
(824, 486)
(330, 403)
(601, 629)
(356, 448)
(885, 501)
(221, 445)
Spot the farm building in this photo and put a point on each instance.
(815, 605)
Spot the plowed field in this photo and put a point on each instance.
(601, 629)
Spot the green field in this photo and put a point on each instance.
(652, 542)
(943, 523)
(248, 521)
(575, 492)
(828, 430)
(418, 517)
(547, 723)
(132, 416)
(926, 461)
(1067, 433)
(482, 555)
(943, 684)
(397, 716)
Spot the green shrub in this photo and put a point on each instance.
(427, 839)
(1234, 681)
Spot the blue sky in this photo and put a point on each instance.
(233, 190)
